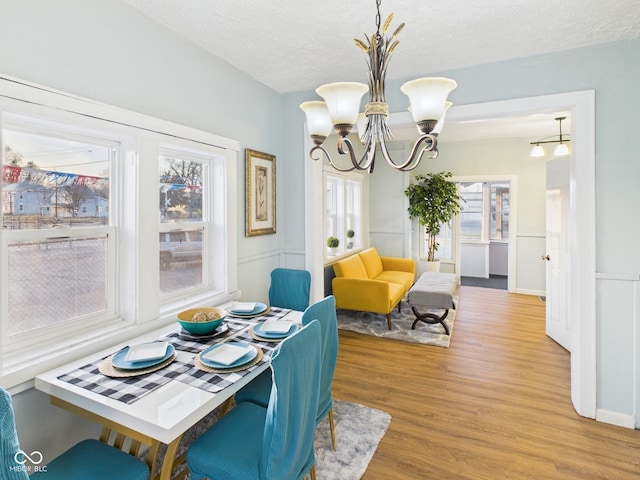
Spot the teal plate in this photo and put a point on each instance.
(237, 363)
(118, 360)
(257, 329)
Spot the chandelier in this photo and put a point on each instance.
(561, 149)
(427, 98)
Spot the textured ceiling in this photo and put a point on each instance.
(296, 45)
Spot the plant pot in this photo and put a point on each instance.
(432, 266)
(349, 245)
(331, 251)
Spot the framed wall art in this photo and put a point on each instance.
(260, 193)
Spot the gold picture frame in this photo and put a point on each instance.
(260, 193)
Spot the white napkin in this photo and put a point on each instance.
(276, 326)
(243, 307)
(227, 354)
(146, 351)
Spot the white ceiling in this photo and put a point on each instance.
(296, 45)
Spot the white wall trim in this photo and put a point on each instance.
(616, 418)
(526, 291)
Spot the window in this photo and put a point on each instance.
(183, 221)
(472, 213)
(499, 224)
(82, 252)
(58, 266)
(343, 210)
(484, 216)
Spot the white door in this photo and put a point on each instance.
(558, 322)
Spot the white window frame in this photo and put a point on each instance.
(343, 216)
(208, 159)
(135, 184)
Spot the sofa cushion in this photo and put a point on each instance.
(372, 262)
(404, 279)
(351, 267)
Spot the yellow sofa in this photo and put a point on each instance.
(368, 282)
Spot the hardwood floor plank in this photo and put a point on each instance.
(495, 404)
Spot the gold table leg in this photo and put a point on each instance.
(169, 459)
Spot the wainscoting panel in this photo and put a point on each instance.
(617, 374)
(254, 275)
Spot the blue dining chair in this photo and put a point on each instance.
(290, 288)
(257, 391)
(252, 442)
(89, 459)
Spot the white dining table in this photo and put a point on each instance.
(167, 411)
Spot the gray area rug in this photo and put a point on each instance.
(376, 324)
(359, 430)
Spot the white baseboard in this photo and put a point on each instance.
(524, 291)
(616, 418)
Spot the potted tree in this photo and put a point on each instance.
(434, 201)
(332, 244)
(350, 235)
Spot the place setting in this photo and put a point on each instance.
(247, 309)
(273, 329)
(228, 357)
(138, 359)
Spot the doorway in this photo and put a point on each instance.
(484, 233)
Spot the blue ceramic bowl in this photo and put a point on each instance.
(201, 328)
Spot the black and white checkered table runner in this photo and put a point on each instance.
(130, 389)
(126, 390)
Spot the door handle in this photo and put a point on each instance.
(546, 257)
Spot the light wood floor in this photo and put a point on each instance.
(494, 405)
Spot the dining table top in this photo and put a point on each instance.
(165, 403)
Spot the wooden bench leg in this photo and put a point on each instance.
(389, 320)
(430, 318)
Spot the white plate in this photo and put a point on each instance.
(146, 351)
(276, 326)
(243, 307)
(226, 354)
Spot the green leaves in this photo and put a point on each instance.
(434, 201)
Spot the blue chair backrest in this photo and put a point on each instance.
(325, 312)
(290, 288)
(291, 415)
(9, 444)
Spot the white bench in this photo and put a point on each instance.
(433, 290)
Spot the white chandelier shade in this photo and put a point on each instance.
(561, 150)
(537, 151)
(318, 120)
(427, 97)
(343, 100)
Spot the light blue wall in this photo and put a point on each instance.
(613, 71)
